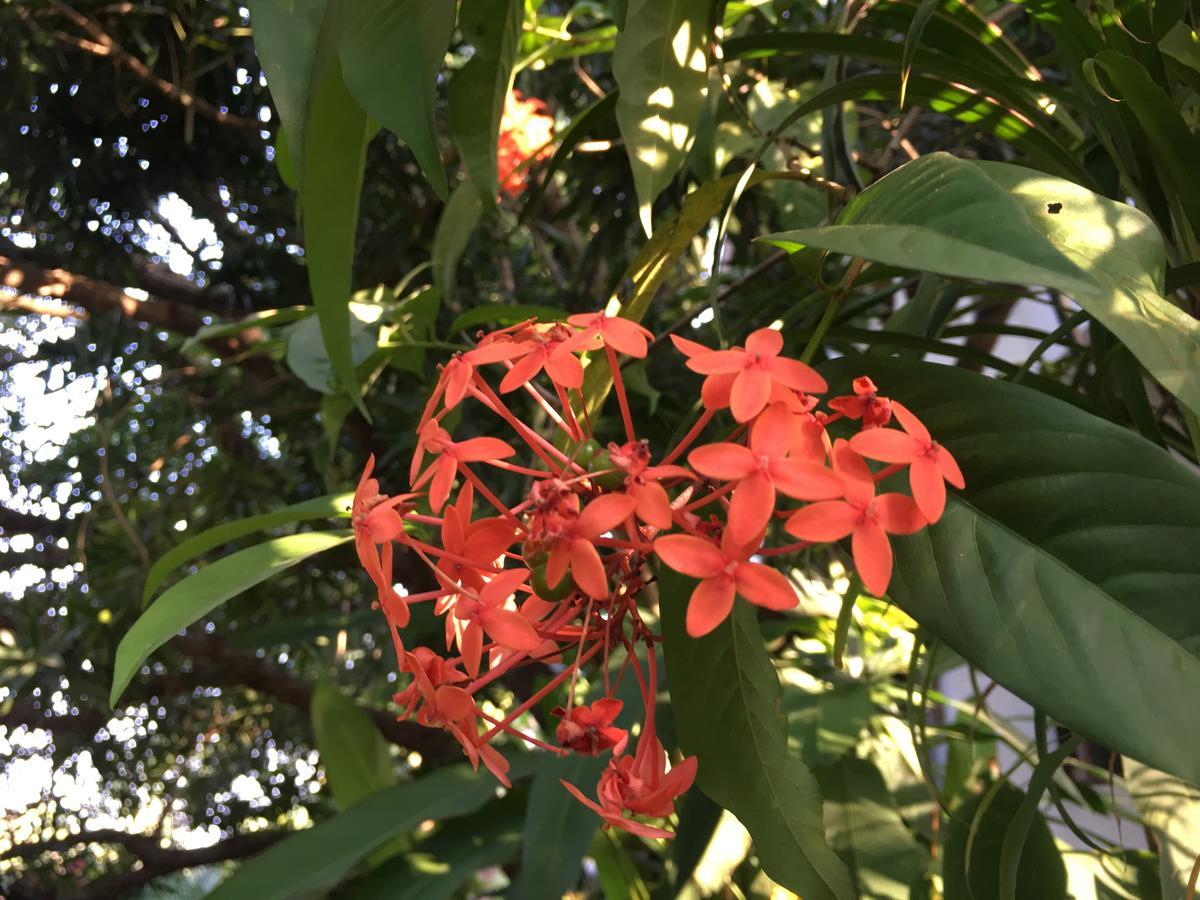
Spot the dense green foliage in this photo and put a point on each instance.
(235, 245)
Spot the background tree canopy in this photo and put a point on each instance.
(220, 298)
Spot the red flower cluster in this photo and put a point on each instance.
(525, 134)
(557, 573)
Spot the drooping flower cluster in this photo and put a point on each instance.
(543, 555)
(526, 131)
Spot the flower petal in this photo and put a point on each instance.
(928, 488)
(806, 480)
(764, 342)
(771, 434)
(443, 479)
(587, 569)
(509, 628)
(690, 555)
(886, 445)
(565, 369)
(718, 362)
(604, 514)
(948, 466)
(482, 449)
(764, 586)
(751, 508)
(653, 505)
(716, 391)
(829, 520)
(724, 462)
(689, 348)
(872, 557)
(898, 514)
(709, 605)
(910, 423)
(860, 486)
(519, 374)
(750, 394)
(796, 375)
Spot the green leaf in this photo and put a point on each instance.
(725, 699)
(912, 40)
(356, 758)
(504, 314)
(618, 876)
(312, 861)
(864, 826)
(1065, 569)
(458, 220)
(267, 318)
(287, 39)
(335, 146)
(558, 828)
(827, 724)
(1182, 45)
(436, 868)
(1172, 143)
(391, 53)
(493, 28)
(999, 222)
(660, 64)
(318, 508)
(977, 828)
(1171, 809)
(308, 356)
(199, 594)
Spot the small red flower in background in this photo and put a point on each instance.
(552, 571)
(867, 519)
(589, 729)
(526, 131)
(930, 465)
(865, 404)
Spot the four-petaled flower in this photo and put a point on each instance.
(723, 572)
(751, 371)
(868, 519)
(575, 549)
(930, 465)
(762, 469)
(450, 455)
(623, 335)
(377, 523)
(642, 482)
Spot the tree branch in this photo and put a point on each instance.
(103, 45)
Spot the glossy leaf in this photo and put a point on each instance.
(287, 38)
(199, 594)
(197, 545)
(1065, 569)
(356, 758)
(308, 357)
(999, 222)
(660, 64)
(558, 828)
(725, 699)
(454, 229)
(312, 861)
(335, 146)
(974, 834)
(864, 827)
(479, 89)
(391, 52)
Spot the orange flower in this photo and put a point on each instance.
(866, 518)
(576, 549)
(525, 135)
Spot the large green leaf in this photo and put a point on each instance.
(725, 698)
(287, 37)
(1171, 809)
(391, 53)
(864, 827)
(356, 758)
(974, 837)
(999, 222)
(454, 228)
(335, 146)
(660, 64)
(309, 358)
(199, 594)
(1067, 568)
(478, 91)
(312, 861)
(437, 867)
(199, 544)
